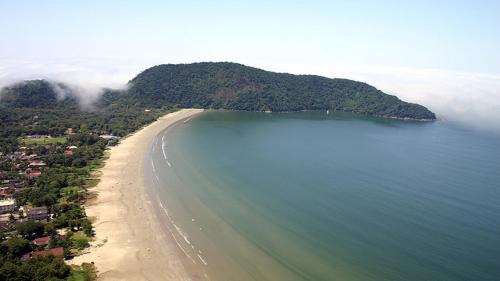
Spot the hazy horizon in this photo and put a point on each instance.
(441, 55)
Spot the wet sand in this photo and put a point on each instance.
(130, 243)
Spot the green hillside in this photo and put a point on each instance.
(238, 87)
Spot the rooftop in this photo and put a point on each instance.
(37, 210)
(7, 202)
(41, 240)
(5, 218)
(57, 252)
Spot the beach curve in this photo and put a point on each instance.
(130, 243)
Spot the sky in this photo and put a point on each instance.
(444, 54)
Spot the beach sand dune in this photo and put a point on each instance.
(130, 244)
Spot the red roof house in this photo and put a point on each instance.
(33, 173)
(37, 164)
(7, 190)
(56, 252)
(41, 241)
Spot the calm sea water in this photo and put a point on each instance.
(310, 196)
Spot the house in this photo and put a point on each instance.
(41, 241)
(56, 252)
(7, 206)
(37, 213)
(69, 150)
(33, 157)
(108, 137)
(33, 173)
(7, 190)
(5, 222)
(39, 137)
(37, 164)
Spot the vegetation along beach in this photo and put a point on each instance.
(250, 140)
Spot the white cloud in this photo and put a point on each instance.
(468, 98)
(472, 99)
(86, 78)
(87, 74)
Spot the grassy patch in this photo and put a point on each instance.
(33, 141)
(69, 189)
(79, 242)
(85, 272)
(89, 183)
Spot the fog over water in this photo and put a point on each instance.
(470, 99)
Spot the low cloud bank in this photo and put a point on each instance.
(470, 99)
(86, 79)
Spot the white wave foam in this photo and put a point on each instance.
(178, 229)
(164, 150)
(202, 260)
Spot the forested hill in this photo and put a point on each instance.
(238, 87)
(205, 85)
(40, 107)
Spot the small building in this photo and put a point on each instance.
(39, 137)
(109, 137)
(7, 206)
(5, 222)
(37, 164)
(7, 191)
(56, 252)
(37, 213)
(33, 173)
(69, 150)
(41, 241)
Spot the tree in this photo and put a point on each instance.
(30, 229)
(50, 229)
(17, 246)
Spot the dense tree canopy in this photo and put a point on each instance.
(50, 108)
(238, 87)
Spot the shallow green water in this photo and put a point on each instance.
(310, 196)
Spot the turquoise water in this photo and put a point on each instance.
(310, 196)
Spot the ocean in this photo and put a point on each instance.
(316, 196)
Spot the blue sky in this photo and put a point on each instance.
(443, 54)
(450, 35)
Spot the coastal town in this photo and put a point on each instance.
(51, 156)
(44, 182)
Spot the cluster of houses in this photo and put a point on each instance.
(42, 243)
(24, 166)
(33, 169)
(21, 156)
(10, 213)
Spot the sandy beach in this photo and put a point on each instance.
(130, 244)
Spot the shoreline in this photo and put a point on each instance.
(130, 243)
